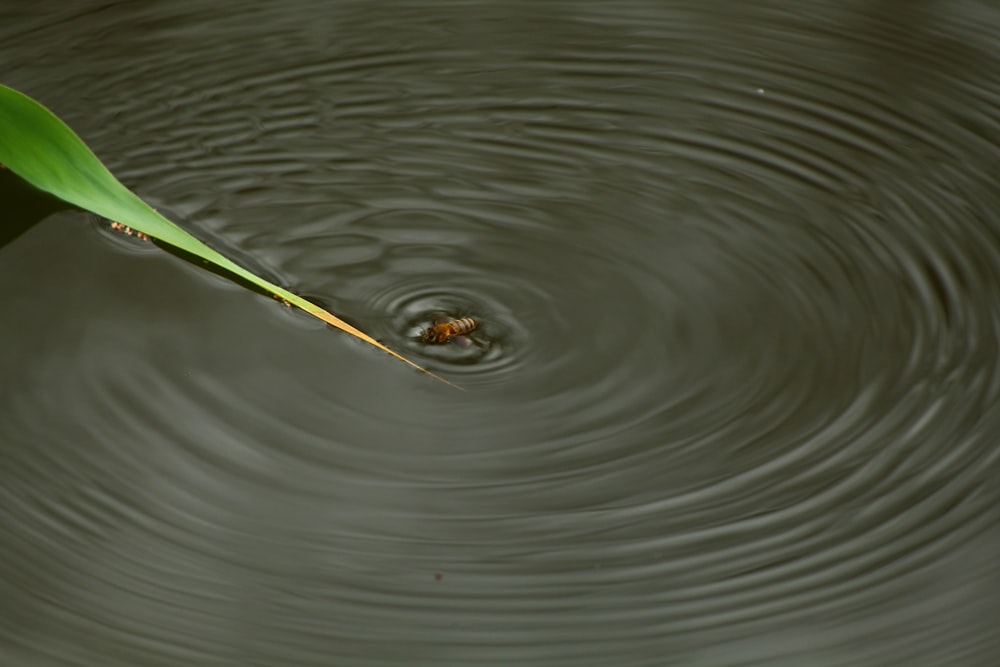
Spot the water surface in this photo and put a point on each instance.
(734, 397)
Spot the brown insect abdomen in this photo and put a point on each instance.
(442, 333)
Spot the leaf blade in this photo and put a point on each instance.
(44, 151)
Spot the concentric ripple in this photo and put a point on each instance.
(733, 395)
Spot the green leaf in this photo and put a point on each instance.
(46, 153)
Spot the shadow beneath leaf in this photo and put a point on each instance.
(23, 206)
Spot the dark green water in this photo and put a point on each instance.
(738, 273)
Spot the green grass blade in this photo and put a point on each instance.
(40, 148)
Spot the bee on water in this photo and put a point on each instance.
(445, 330)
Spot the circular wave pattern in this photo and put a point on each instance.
(732, 400)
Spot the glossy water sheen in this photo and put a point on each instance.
(734, 395)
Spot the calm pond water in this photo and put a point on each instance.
(734, 398)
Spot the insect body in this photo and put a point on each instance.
(443, 332)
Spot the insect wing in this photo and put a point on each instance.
(463, 342)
